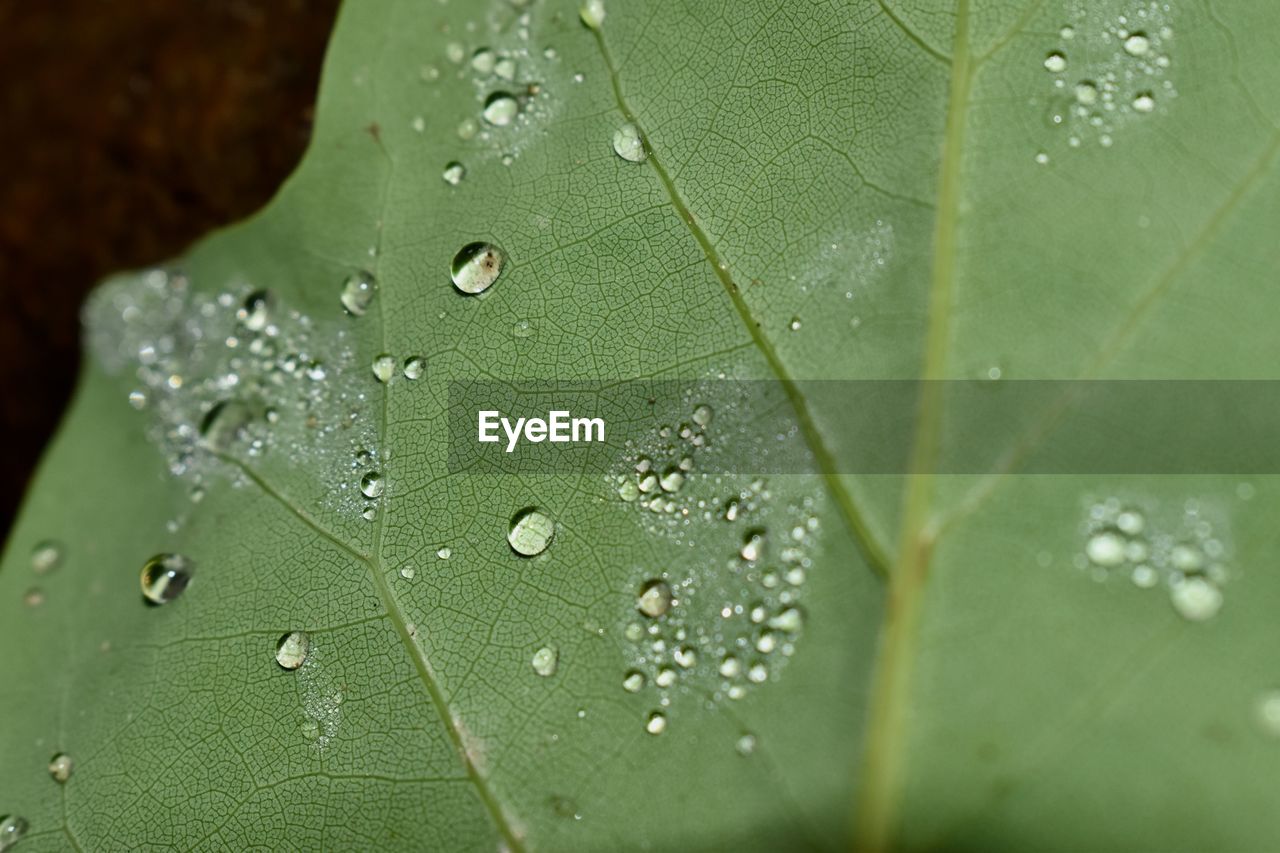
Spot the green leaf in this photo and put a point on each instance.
(845, 191)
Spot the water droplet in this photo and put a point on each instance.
(500, 109)
(531, 532)
(1144, 577)
(702, 415)
(60, 767)
(766, 642)
(1130, 522)
(730, 666)
(633, 682)
(254, 312)
(453, 173)
(655, 598)
(12, 828)
(1144, 102)
(1105, 549)
(1269, 712)
(444, 552)
(1067, 33)
(165, 576)
(628, 145)
(505, 69)
(476, 267)
(138, 400)
(1043, 159)
(483, 60)
(657, 723)
(545, 661)
(752, 546)
(1086, 93)
(672, 480)
(686, 657)
(1055, 62)
(46, 556)
(384, 368)
(592, 13)
(357, 292)
(1137, 44)
(225, 423)
(794, 325)
(407, 572)
(665, 677)
(1195, 598)
(291, 649)
(467, 129)
(789, 620)
(746, 744)
(758, 673)
(522, 329)
(415, 367)
(371, 484)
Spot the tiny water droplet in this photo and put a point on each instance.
(1042, 158)
(453, 173)
(1144, 102)
(746, 744)
(505, 69)
(592, 13)
(655, 598)
(522, 329)
(414, 367)
(255, 311)
(483, 60)
(545, 661)
(789, 620)
(357, 292)
(686, 657)
(384, 368)
(444, 552)
(225, 423)
(12, 828)
(628, 145)
(794, 325)
(1105, 549)
(633, 682)
(407, 572)
(657, 723)
(60, 767)
(702, 415)
(1055, 62)
(1086, 93)
(672, 479)
(730, 666)
(291, 649)
(165, 576)
(752, 546)
(530, 532)
(371, 484)
(476, 267)
(500, 109)
(46, 556)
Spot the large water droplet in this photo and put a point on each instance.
(165, 576)
(372, 484)
(1195, 598)
(12, 828)
(476, 267)
(384, 368)
(531, 532)
(291, 649)
(545, 661)
(60, 767)
(357, 292)
(500, 109)
(592, 13)
(655, 598)
(628, 145)
(225, 423)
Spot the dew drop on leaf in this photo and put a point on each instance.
(592, 13)
(656, 724)
(46, 556)
(12, 828)
(371, 484)
(225, 423)
(655, 598)
(255, 311)
(500, 109)
(1196, 599)
(291, 649)
(746, 744)
(530, 532)
(628, 145)
(1055, 62)
(60, 767)
(384, 368)
(1137, 44)
(453, 173)
(165, 576)
(1144, 102)
(476, 267)
(415, 367)
(357, 293)
(545, 661)
(1269, 712)
(633, 681)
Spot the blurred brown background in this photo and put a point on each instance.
(128, 130)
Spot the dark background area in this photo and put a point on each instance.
(127, 131)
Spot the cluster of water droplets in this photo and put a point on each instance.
(232, 375)
(1188, 559)
(1105, 74)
